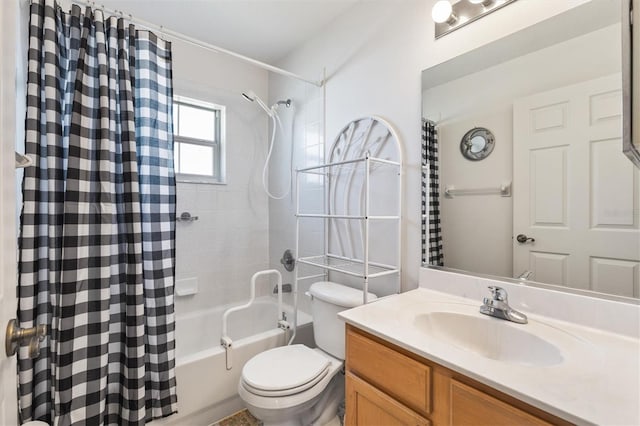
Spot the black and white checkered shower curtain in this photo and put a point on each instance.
(431, 227)
(97, 246)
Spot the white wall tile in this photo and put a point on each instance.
(230, 240)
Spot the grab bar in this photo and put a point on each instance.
(23, 161)
(225, 340)
(503, 190)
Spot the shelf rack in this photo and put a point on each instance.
(352, 267)
(366, 162)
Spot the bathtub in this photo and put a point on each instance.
(207, 391)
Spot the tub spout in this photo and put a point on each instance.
(286, 288)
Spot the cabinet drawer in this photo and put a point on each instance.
(404, 378)
(472, 406)
(368, 406)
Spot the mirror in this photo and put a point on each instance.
(477, 144)
(552, 95)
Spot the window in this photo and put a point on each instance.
(199, 141)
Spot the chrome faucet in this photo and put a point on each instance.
(498, 306)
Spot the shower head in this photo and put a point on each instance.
(252, 97)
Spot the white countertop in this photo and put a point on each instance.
(598, 381)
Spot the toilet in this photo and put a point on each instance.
(296, 385)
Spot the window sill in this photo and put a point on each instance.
(199, 181)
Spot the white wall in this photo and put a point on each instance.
(10, 122)
(374, 55)
(476, 230)
(21, 94)
(230, 241)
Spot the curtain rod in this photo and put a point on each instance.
(183, 37)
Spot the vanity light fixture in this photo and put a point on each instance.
(442, 13)
(449, 17)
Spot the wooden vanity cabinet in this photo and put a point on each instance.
(387, 385)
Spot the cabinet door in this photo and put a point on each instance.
(470, 406)
(397, 375)
(368, 406)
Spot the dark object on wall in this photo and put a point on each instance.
(477, 144)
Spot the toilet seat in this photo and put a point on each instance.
(284, 371)
(299, 399)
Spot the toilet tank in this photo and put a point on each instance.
(327, 300)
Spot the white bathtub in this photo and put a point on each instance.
(207, 391)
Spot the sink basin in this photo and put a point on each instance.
(489, 337)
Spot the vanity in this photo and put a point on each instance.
(428, 357)
(387, 384)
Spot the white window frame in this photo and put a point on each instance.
(218, 144)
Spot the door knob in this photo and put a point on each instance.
(17, 336)
(522, 239)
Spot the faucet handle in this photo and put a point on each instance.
(498, 293)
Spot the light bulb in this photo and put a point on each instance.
(485, 3)
(441, 11)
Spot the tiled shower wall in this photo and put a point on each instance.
(230, 240)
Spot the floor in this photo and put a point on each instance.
(244, 418)
(241, 418)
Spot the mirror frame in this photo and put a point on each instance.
(630, 83)
(466, 144)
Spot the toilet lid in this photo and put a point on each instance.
(285, 368)
(285, 392)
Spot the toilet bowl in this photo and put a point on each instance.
(286, 385)
(296, 385)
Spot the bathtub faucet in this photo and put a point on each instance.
(286, 288)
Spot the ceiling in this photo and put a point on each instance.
(262, 29)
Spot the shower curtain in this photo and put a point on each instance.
(431, 227)
(97, 243)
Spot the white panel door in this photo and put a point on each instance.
(575, 193)
(8, 20)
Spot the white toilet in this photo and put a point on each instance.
(297, 385)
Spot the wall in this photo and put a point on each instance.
(476, 230)
(21, 95)
(462, 104)
(374, 54)
(10, 121)
(230, 241)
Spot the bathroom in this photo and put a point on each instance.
(368, 58)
